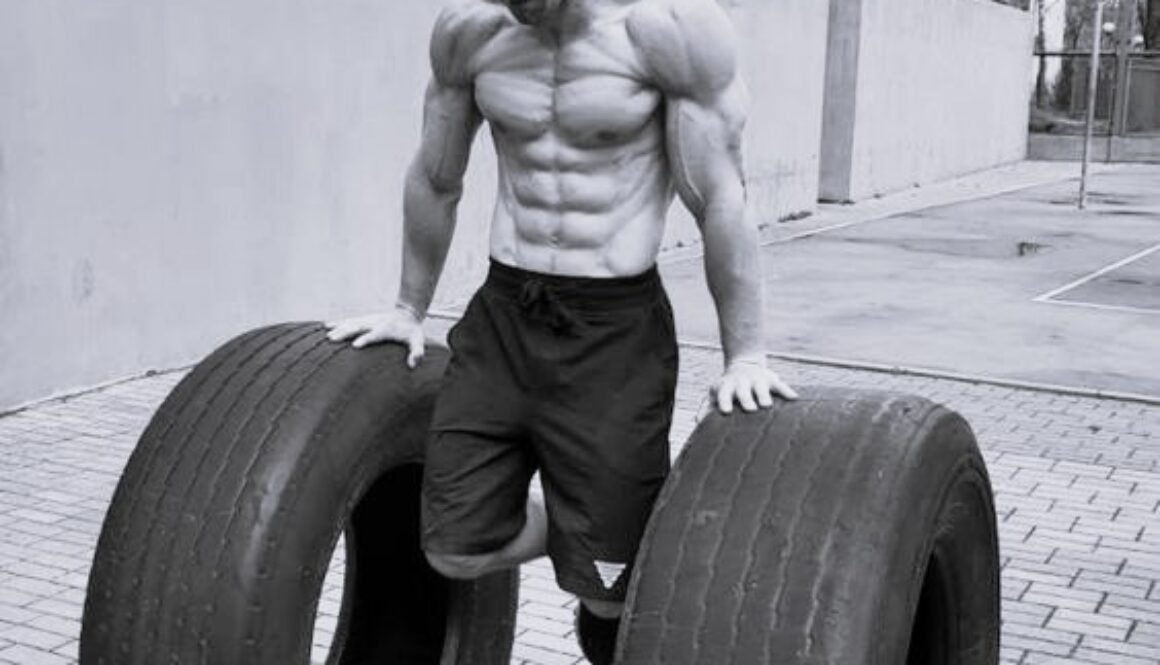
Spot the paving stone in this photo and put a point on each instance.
(1118, 585)
(32, 587)
(558, 643)
(32, 636)
(69, 628)
(69, 650)
(530, 623)
(1148, 652)
(1090, 624)
(21, 654)
(1142, 611)
(14, 598)
(527, 653)
(59, 608)
(1062, 597)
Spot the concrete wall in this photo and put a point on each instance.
(175, 172)
(919, 90)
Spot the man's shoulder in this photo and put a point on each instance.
(461, 29)
(689, 44)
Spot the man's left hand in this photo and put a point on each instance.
(748, 381)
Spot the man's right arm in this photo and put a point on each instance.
(432, 191)
(434, 184)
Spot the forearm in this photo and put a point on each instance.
(429, 215)
(733, 271)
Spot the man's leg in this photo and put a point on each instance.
(603, 609)
(604, 454)
(597, 625)
(477, 516)
(530, 543)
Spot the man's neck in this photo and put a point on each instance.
(575, 17)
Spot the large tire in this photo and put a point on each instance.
(846, 528)
(221, 529)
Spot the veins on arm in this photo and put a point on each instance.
(690, 50)
(450, 122)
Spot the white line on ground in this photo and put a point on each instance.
(1105, 308)
(1099, 273)
(820, 230)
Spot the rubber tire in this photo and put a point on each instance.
(219, 534)
(848, 527)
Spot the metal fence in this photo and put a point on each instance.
(1142, 107)
(1127, 93)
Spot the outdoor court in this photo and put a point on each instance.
(914, 293)
(1021, 286)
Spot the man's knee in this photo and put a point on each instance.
(605, 609)
(460, 566)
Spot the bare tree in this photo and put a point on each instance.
(1077, 32)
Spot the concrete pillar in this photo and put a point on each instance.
(841, 100)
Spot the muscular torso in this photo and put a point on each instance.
(597, 124)
(584, 183)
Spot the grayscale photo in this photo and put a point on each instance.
(579, 332)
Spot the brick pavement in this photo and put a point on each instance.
(1077, 482)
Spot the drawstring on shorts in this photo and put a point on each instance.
(541, 303)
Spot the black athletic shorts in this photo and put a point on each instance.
(574, 377)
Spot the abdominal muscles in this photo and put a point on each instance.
(595, 209)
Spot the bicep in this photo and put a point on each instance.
(704, 143)
(450, 122)
(691, 53)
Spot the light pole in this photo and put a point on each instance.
(1098, 29)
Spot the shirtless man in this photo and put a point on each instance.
(565, 360)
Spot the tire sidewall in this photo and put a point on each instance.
(355, 442)
(942, 508)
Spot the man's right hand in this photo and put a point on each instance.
(398, 325)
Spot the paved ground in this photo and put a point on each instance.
(1021, 286)
(1077, 481)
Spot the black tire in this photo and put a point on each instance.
(848, 527)
(219, 535)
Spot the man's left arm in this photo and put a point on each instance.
(693, 54)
